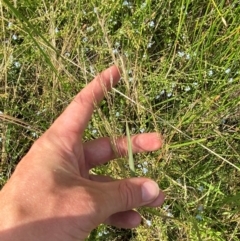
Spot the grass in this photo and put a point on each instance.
(180, 62)
(130, 152)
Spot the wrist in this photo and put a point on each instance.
(12, 214)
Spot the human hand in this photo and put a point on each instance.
(52, 196)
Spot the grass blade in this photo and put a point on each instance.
(130, 153)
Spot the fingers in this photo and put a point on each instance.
(73, 121)
(156, 203)
(131, 193)
(107, 150)
(118, 198)
(128, 219)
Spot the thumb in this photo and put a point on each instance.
(131, 193)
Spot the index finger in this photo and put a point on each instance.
(73, 121)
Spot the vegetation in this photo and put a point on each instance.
(180, 62)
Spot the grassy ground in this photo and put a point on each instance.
(180, 62)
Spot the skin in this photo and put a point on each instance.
(52, 196)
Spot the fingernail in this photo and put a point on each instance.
(150, 191)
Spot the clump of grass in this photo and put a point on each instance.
(180, 76)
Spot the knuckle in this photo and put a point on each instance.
(119, 146)
(126, 194)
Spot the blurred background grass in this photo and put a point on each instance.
(180, 62)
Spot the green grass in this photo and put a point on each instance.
(130, 152)
(180, 62)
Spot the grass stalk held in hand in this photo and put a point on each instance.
(130, 153)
